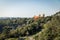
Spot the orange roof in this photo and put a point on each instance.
(36, 17)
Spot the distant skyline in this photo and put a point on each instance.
(28, 8)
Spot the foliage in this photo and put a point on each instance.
(44, 28)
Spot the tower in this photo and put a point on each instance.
(39, 15)
(43, 15)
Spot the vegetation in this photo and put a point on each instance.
(44, 28)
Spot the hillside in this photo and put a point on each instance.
(44, 28)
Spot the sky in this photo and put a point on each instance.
(28, 8)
